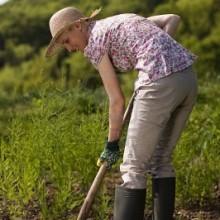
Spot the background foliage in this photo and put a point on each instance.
(54, 111)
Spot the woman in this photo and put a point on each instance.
(165, 93)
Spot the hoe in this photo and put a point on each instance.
(100, 175)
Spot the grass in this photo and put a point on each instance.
(49, 152)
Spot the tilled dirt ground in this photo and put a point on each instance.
(180, 214)
(210, 212)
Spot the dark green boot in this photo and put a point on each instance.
(163, 191)
(129, 203)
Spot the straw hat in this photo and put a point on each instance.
(60, 22)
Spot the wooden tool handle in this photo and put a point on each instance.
(92, 192)
(100, 175)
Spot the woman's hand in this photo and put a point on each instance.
(168, 22)
(110, 154)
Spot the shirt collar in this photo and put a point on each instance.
(90, 28)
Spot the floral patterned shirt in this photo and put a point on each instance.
(135, 43)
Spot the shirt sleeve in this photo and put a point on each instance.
(97, 46)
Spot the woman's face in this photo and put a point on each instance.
(75, 38)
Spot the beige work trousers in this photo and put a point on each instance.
(159, 114)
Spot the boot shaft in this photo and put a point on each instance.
(163, 190)
(129, 203)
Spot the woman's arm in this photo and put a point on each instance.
(167, 22)
(115, 95)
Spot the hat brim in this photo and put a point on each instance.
(53, 46)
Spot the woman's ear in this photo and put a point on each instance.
(77, 25)
(71, 27)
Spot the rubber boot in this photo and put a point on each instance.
(163, 192)
(129, 203)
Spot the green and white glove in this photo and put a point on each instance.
(110, 153)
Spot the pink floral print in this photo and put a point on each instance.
(135, 43)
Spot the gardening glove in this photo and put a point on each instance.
(110, 154)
